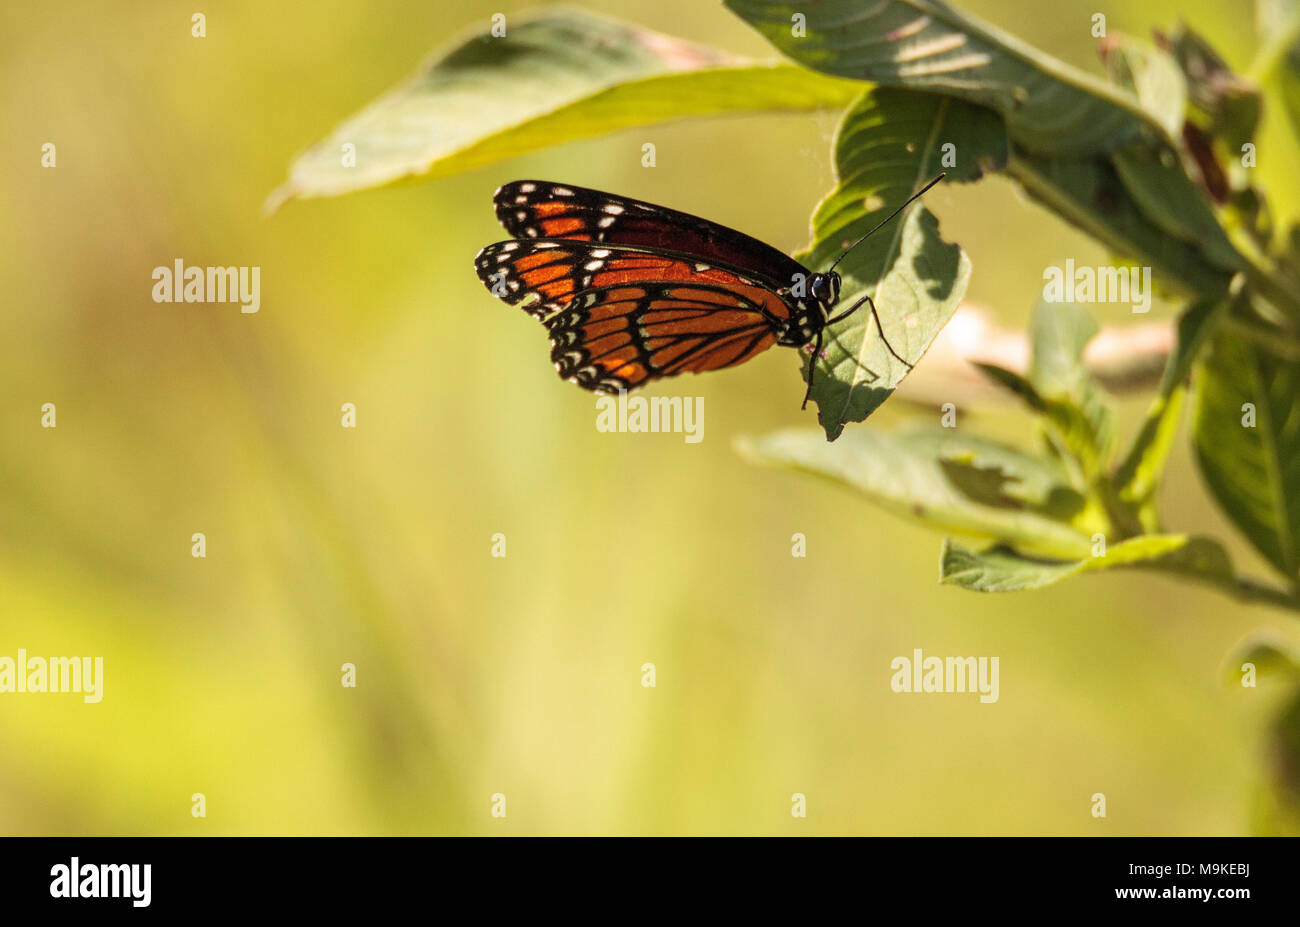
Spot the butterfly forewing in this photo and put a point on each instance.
(539, 209)
(555, 272)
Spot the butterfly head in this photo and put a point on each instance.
(825, 288)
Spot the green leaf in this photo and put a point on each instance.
(924, 475)
(1069, 429)
(562, 75)
(1272, 656)
(1226, 106)
(1284, 760)
(1212, 113)
(1223, 115)
(1152, 75)
(1049, 106)
(888, 144)
(1279, 61)
(1159, 185)
(1083, 433)
(1138, 475)
(1089, 194)
(1059, 333)
(1065, 126)
(1003, 569)
(1247, 436)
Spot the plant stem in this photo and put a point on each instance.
(1242, 588)
(1251, 590)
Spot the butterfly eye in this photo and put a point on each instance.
(825, 288)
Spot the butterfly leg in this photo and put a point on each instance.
(812, 366)
(866, 298)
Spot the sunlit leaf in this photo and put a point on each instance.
(911, 474)
(1271, 656)
(1152, 75)
(1247, 435)
(1138, 475)
(1049, 106)
(1004, 569)
(1280, 57)
(1059, 333)
(1080, 146)
(562, 75)
(888, 145)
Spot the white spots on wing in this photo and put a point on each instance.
(605, 222)
(510, 246)
(561, 191)
(600, 253)
(701, 268)
(527, 187)
(530, 232)
(593, 265)
(612, 209)
(521, 199)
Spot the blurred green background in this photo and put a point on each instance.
(519, 675)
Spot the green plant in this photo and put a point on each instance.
(1149, 164)
(1155, 163)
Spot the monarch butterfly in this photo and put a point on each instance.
(631, 292)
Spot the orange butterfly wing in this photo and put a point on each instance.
(621, 336)
(540, 209)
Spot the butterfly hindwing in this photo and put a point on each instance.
(620, 336)
(538, 209)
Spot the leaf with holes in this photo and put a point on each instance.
(888, 145)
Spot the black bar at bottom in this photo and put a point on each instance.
(929, 875)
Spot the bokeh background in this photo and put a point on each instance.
(371, 546)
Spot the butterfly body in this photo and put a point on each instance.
(631, 292)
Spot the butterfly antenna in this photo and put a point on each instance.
(910, 200)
